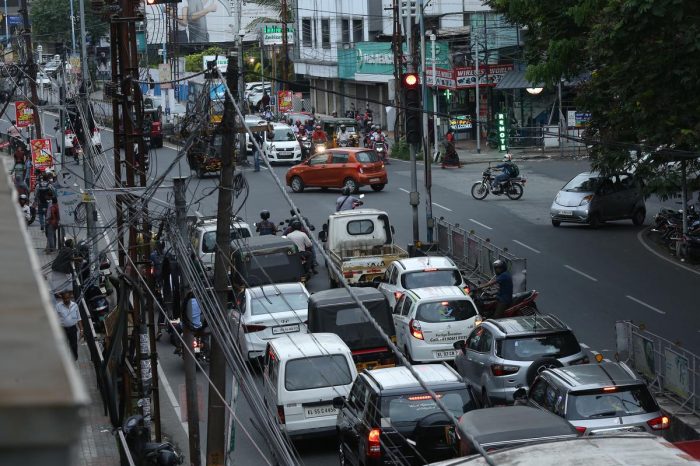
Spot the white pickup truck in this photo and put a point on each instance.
(360, 245)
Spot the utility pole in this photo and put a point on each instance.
(433, 37)
(397, 45)
(61, 111)
(477, 114)
(216, 421)
(31, 65)
(427, 158)
(414, 196)
(242, 151)
(72, 26)
(180, 188)
(285, 59)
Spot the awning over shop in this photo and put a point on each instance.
(515, 80)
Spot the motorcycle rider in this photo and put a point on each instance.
(25, 207)
(319, 136)
(347, 201)
(301, 131)
(504, 280)
(265, 226)
(508, 169)
(303, 243)
(343, 136)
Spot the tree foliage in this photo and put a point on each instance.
(643, 62)
(51, 21)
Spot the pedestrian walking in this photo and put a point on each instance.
(69, 318)
(43, 192)
(61, 277)
(53, 218)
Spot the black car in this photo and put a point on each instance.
(389, 418)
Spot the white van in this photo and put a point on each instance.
(281, 145)
(302, 375)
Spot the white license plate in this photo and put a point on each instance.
(285, 329)
(320, 411)
(566, 213)
(197, 349)
(444, 354)
(374, 180)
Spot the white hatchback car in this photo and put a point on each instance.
(281, 144)
(268, 312)
(429, 320)
(419, 272)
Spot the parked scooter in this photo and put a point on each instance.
(513, 188)
(148, 453)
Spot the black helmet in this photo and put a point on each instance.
(296, 225)
(499, 266)
(265, 214)
(347, 191)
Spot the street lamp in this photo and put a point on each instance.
(534, 90)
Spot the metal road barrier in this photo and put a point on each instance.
(667, 367)
(475, 255)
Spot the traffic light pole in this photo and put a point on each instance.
(427, 158)
(414, 195)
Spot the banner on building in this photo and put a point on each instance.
(284, 101)
(221, 62)
(206, 21)
(69, 197)
(272, 34)
(489, 75)
(444, 77)
(24, 115)
(42, 157)
(164, 74)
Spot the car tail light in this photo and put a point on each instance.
(503, 369)
(280, 414)
(348, 274)
(416, 332)
(581, 429)
(196, 343)
(374, 447)
(253, 328)
(397, 295)
(659, 423)
(583, 360)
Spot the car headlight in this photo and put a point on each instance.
(556, 199)
(586, 200)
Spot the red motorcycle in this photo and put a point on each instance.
(523, 304)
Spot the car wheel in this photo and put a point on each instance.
(377, 187)
(594, 220)
(555, 223)
(638, 217)
(538, 366)
(297, 185)
(350, 183)
(485, 400)
(480, 190)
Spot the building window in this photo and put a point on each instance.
(467, 19)
(345, 30)
(358, 30)
(326, 33)
(306, 32)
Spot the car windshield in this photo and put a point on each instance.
(445, 311)
(209, 238)
(317, 372)
(367, 157)
(583, 183)
(425, 278)
(273, 303)
(530, 348)
(283, 134)
(405, 411)
(610, 402)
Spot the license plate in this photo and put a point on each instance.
(443, 354)
(285, 329)
(374, 180)
(320, 411)
(196, 349)
(566, 213)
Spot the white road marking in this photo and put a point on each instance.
(661, 256)
(648, 306)
(401, 189)
(442, 207)
(480, 224)
(526, 246)
(581, 273)
(171, 396)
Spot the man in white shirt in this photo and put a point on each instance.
(303, 243)
(69, 318)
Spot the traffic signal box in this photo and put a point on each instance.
(413, 108)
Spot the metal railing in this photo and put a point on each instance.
(669, 368)
(476, 255)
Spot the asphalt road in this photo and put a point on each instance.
(589, 278)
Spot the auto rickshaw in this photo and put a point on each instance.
(331, 125)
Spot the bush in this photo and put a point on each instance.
(401, 151)
(193, 62)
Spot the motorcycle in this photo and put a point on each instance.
(523, 304)
(513, 187)
(380, 149)
(146, 452)
(318, 148)
(358, 202)
(305, 144)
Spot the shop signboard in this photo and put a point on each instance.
(221, 62)
(272, 34)
(24, 115)
(42, 158)
(444, 77)
(489, 75)
(284, 101)
(676, 374)
(461, 123)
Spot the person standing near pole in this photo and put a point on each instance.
(53, 218)
(69, 318)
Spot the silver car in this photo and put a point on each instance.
(502, 355)
(593, 199)
(597, 398)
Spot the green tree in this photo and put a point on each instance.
(51, 21)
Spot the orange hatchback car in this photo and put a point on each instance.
(347, 166)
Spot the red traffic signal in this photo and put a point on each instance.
(409, 81)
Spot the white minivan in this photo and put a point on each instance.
(302, 375)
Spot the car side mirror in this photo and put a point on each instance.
(460, 345)
(323, 235)
(338, 402)
(520, 395)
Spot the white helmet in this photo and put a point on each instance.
(507, 158)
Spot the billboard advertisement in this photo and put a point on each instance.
(489, 75)
(24, 114)
(42, 157)
(272, 34)
(198, 22)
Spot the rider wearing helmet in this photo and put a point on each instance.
(347, 201)
(265, 226)
(319, 136)
(509, 170)
(504, 280)
(25, 207)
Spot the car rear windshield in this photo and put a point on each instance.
(445, 311)
(556, 345)
(209, 238)
(272, 304)
(317, 372)
(423, 279)
(613, 402)
(405, 411)
(352, 326)
(367, 157)
(583, 183)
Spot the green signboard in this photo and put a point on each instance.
(378, 58)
